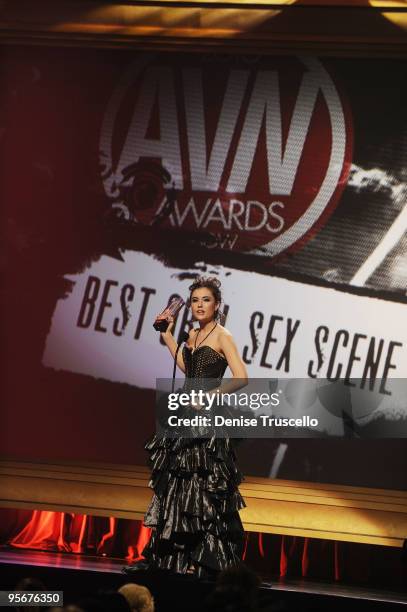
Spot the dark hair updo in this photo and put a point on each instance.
(208, 282)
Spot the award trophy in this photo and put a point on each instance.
(173, 308)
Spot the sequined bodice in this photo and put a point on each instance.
(204, 362)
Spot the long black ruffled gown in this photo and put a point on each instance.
(194, 509)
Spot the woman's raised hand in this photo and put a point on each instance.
(170, 320)
(168, 317)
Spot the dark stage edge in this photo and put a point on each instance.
(78, 575)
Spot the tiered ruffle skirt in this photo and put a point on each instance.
(194, 511)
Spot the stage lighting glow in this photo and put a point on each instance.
(228, 21)
(236, 19)
(397, 19)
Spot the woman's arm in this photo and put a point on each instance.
(172, 344)
(233, 357)
(235, 363)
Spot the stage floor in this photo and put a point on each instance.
(17, 563)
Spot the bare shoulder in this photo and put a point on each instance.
(223, 333)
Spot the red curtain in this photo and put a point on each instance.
(111, 537)
(73, 533)
(268, 554)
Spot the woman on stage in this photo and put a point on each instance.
(194, 512)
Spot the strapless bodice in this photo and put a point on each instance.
(204, 362)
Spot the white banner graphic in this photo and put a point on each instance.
(283, 329)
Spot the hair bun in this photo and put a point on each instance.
(215, 281)
(205, 281)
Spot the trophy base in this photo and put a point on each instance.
(161, 326)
